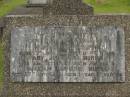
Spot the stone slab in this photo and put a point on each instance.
(22, 89)
(22, 10)
(67, 54)
(71, 7)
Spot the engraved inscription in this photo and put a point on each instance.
(67, 54)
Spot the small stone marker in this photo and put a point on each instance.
(37, 1)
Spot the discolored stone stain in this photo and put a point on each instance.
(2, 25)
(67, 54)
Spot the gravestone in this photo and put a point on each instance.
(41, 52)
(67, 52)
(38, 1)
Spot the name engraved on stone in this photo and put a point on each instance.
(67, 54)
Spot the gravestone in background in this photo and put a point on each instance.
(63, 7)
(54, 7)
(37, 1)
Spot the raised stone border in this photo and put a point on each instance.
(67, 89)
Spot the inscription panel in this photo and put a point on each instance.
(67, 54)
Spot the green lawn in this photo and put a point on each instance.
(10, 5)
(110, 6)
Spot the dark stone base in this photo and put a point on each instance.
(71, 7)
(1, 27)
(1, 33)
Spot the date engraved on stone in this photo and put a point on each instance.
(67, 54)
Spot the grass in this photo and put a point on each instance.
(1, 2)
(10, 5)
(110, 6)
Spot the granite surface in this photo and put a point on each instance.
(57, 7)
(67, 54)
(22, 89)
(71, 7)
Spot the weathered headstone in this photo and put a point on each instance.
(64, 42)
(67, 54)
(52, 50)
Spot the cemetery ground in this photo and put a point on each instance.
(104, 6)
(110, 6)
